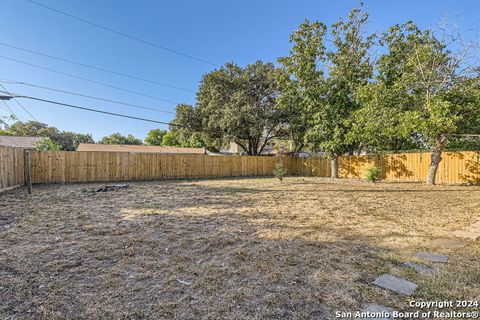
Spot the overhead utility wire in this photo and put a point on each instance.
(97, 68)
(18, 103)
(4, 108)
(152, 44)
(91, 109)
(88, 80)
(13, 114)
(84, 95)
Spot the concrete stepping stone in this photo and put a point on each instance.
(396, 284)
(375, 311)
(447, 243)
(433, 257)
(420, 268)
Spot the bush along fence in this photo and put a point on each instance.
(19, 167)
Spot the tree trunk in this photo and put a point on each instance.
(334, 166)
(250, 149)
(435, 159)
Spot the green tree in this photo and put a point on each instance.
(463, 143)
(329, 98)
(68, 141)
(4, 132)
(425, 88)
(32, 129)
(170, 139)
(188, 131)
(46, 144)
(301, 79)
(380, 124)
(239, 104)
(117, 138)
(154, 137)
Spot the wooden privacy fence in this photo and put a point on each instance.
(61, 166)
(12, 167)
(311, 166)
(65, 167)
(455, 167)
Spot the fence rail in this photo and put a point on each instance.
(65, 167)
(12, 167)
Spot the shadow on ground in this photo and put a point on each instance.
(246, 249)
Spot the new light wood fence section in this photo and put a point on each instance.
(61, 166)
(65, 167)
(12, 169)
(310, 167)
(455, 167)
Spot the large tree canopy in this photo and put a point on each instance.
(301, 80)
(239, 104)
(426, 88)
(68, 141)
(186, 130)
(322, 84)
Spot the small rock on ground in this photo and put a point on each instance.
(396, 284)
(420, 268)
(377, 312)
(433, 257)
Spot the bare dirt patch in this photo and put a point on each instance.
(236, 248)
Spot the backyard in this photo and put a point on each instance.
(246, 248)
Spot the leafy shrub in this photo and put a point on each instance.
(373, 174)
(280, 171)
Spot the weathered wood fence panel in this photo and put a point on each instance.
(12, 167)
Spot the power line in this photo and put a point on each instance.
(93, 110)
(15, 116)
(124, 34)
(97, 68)
(85, 96)
(3, 108)
(18, 103)
(88, 80)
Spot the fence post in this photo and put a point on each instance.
(28, 171)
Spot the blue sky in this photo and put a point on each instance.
(217, 31)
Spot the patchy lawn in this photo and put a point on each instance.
(236, 248)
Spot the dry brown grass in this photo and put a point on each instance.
(251, 248)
